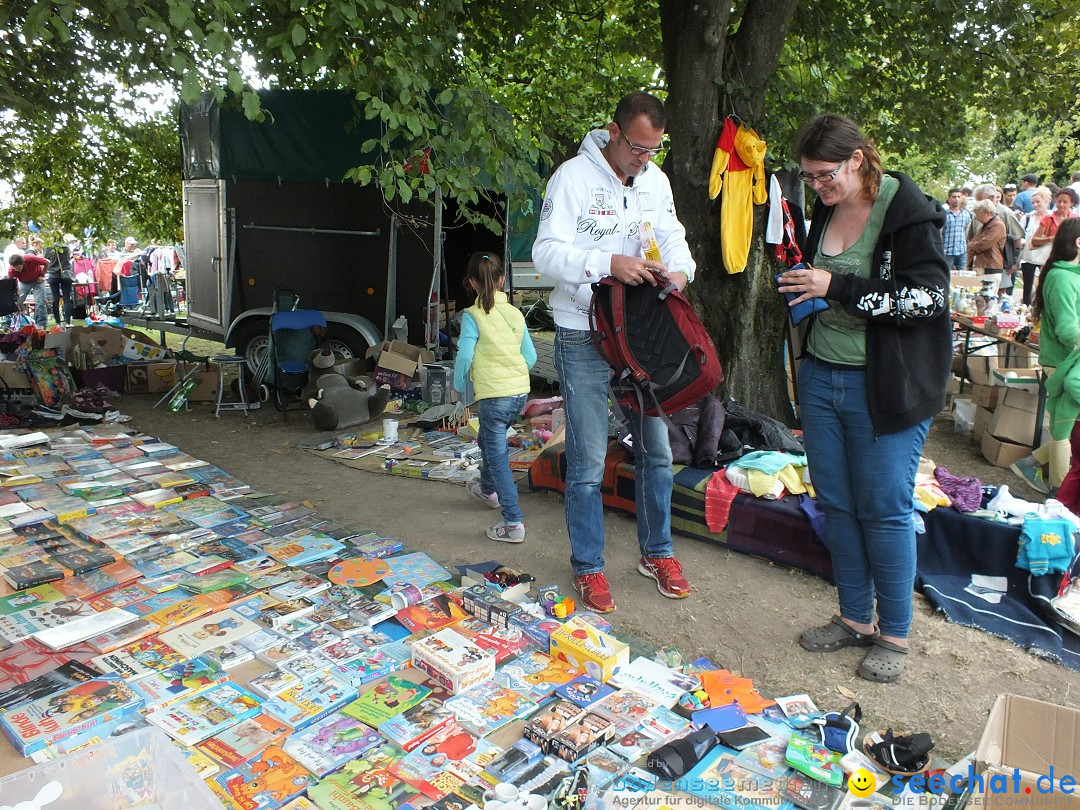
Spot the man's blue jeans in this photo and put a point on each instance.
(865, 483)
(583, 379)
(957, 262)
(41, 301)
(496, 414)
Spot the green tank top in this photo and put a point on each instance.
(836, 336)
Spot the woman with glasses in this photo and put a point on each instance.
(873, 374)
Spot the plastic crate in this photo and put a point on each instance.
(140, 769)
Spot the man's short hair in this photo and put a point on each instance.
(1030, 178)
(954, 190)
(985, 191)
(15, 259)
(131, 240)
(635, 105)
(966, 190)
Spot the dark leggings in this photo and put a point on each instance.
(61, 285)
(1028, 269)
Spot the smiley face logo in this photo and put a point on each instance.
(861, 783)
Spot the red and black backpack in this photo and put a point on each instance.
(652, 338)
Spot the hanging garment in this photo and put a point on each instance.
(739, 161)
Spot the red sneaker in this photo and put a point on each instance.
(595, 593)
(668, 575)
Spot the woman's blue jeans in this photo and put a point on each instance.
(584, 379)
(496, 414)
(865, 485)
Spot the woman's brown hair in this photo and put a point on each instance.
(833, 139)
(486, 270)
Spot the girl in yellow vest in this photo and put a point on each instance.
(496, 352)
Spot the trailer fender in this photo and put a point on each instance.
(351, 335)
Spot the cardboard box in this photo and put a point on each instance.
(437, 383)
(985, 396)
(580, 644)
(981, 423)
(972, 281)
(1014, 417)
(1003, 453)
(545, 725)
(143, 348)
(453, 661)
(1010, 355)
(207, 388)
(150, 378)
(112, 377)
(1035, 740)
(1024, 378)
(980, 367)
(11, 377)
(107, 338)
(488, 606)
(398, 363)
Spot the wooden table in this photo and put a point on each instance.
(969, 327)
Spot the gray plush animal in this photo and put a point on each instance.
(339, 405)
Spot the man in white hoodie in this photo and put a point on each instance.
(589, 228)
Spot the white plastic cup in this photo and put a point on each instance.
(502, 792)
(390, 430)
(404, 594)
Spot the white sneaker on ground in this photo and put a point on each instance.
(491, 500)
(507, 532)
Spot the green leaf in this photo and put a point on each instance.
(299, 35)
(404, 191)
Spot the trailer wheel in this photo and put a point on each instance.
(252, 343)
(347, 343)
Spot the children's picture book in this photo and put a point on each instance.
(120, 597)
(307, 665)
(411, 727)
(63, 677)
(647, 677)
(434, 614)
(178, 681)
(51, 719)
(415, 568)
(177, 613)
(141, 658)
(814, 760)
(230, 655)
(273, 682)
(489, 706)
(122, 636)
(198, 636)
(584, 691)
(235, 746)
(31, 597)
(440, 765)
(386, 699)
(305, 548)
(267, 782)
(654, 731)
(25, 623)
(376, 663)
(287, 611)
(310, 700)
(193, 719)
(328, 744)
(280, 651)
(536, 674)
(628, 708)
(366, 783)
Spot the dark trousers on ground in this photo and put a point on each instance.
(62, 286)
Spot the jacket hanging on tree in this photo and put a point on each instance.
(739, 161)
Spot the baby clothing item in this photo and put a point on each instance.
(966, 493)
(739, 161)
(1046, 545)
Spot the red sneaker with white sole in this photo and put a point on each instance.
(595, 593)
(668, 575)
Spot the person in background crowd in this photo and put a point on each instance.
(965, 195)
(1066, 200)
(1008, 196)
(988, 191)
(1031, 257)
(29, 271)
(37, 246)
(874, 374)
(594, 205)
(997, 195)
(1028, 184)
(1074, 182)
(16, 246)
(954, 236)
(496, 353)
(985, 249)
(60, 278)
(1057, 310)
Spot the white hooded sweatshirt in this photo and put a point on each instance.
(589, 216)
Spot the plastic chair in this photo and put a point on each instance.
(294, 335)
(129, 291)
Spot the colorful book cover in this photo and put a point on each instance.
(628, 708)
(31, 597)
(230, 655)
(142, 658)
(647, 677)
(816, 761)
(410, 728)
(178, 681)
(202, 634)
(536, 674)
(505, 642)
(156, 602)
(658, 728)
(273, 682)
(489, 706)
(177, 613)
(446, 761)
(364, 784)
(415, 568)
(194, 719)
(434, 614)
(235, 746)
(49, 720)
(300, 550)
(267, 782)
(584, 691)
(284, 612)
(328, 744)
(122, 636)
(310, 700)
(386, 699)
(719, 779)
(121, 597)
(63, 677)
(376, 663)
(25, 623)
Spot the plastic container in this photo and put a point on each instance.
(138, 769)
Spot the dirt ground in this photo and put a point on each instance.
(743, 613)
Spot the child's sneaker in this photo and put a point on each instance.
(507, 532)
(491, 500)
(1032, 473)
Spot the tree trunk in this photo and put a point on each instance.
(745, 315)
